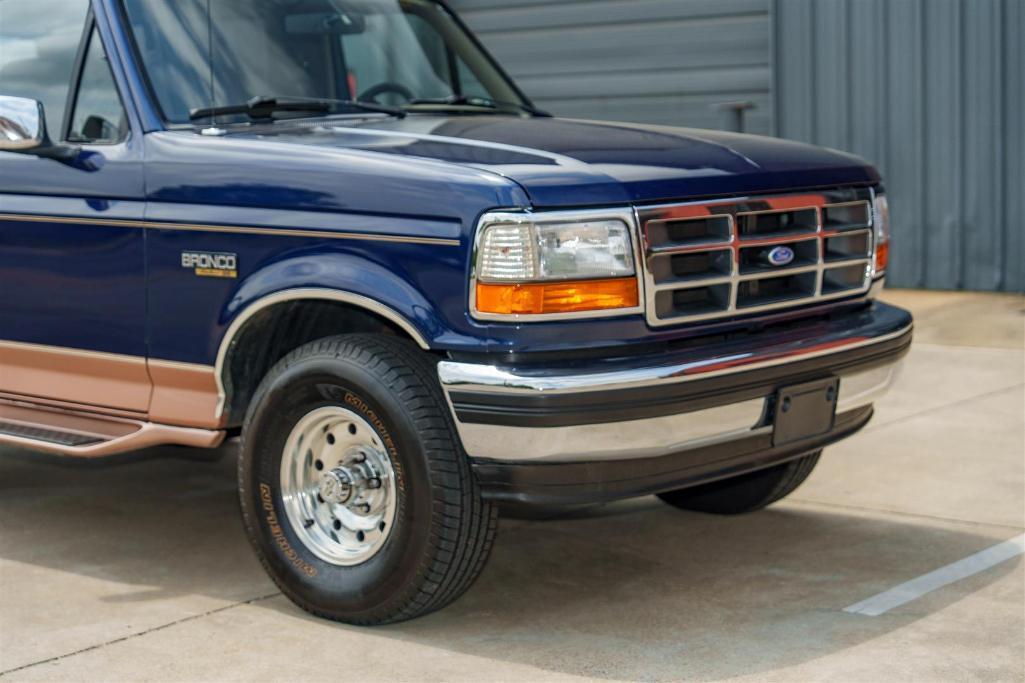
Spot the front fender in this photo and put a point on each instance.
(389, 291)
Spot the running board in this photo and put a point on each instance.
(86, 435)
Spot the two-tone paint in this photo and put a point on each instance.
(375, 210)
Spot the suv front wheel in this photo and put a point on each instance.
(355, 491)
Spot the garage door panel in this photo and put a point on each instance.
(502, 15)
(650, 83)
(713, 42)
(649, 61)
(698, 112)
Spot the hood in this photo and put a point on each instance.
(563, 163)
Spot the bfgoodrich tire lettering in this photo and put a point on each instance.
(442, 530)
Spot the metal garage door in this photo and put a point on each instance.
(651, 61)
(932, 92)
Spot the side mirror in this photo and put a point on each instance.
(23, 130)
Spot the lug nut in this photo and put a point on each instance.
(374, 483)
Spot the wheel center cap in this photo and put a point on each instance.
(337, 486)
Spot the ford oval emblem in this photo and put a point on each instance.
(782, 256)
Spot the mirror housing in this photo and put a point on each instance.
(23, 130)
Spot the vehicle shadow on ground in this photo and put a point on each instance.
(635, 590)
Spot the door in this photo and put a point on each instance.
(72, 280)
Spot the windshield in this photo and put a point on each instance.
(203, 54)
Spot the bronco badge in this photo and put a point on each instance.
(211, 264)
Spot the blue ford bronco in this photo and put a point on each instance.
(337, 230)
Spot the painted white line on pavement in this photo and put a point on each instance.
(944, 576)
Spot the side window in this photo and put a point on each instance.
(38, 45)
(98, 116)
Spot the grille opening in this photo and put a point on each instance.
(716, 266)
(847, 216)
(777, 223)
(856, 245)
(683, 267)
(669, 234)
(844, 278)
(756, 259)
(775, 289)
(691, 302)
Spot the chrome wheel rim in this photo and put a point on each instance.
(338, 486)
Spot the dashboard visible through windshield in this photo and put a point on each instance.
(203, 55)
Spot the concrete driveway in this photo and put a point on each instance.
(139, 570)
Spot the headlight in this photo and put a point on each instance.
(881, 221)
(528, 266)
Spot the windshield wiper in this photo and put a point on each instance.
(263, 107)
(473, 101)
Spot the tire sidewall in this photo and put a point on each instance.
(378, 586)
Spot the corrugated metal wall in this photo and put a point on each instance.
(651, 61)
(932, 92)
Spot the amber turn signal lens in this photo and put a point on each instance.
(882, 256)
(557, 297)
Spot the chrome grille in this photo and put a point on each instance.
(711, 260)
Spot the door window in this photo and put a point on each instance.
(99, 116)
(38, 44)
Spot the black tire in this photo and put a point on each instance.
(443, 529)
(746, 493)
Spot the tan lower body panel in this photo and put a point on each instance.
(84, 377)
(184, 394)
(127, 402)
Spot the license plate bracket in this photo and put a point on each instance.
(805, 410)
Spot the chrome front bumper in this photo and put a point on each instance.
(647, 407)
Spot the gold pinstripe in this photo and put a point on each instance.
(102, 355)
(195, 227)
(69, 351)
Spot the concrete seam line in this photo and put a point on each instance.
(161, 627)
(944, 576)
(901, 513)
(875, 425)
